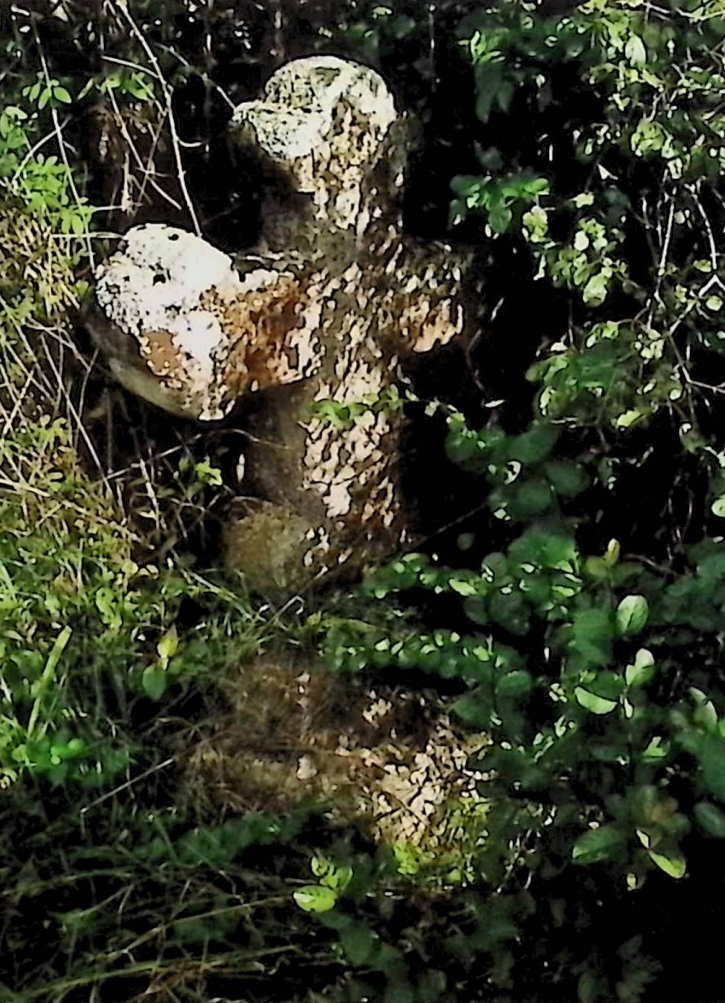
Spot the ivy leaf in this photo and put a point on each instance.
(672, 862)
(597, 844)
(632, 614)
(315, 898)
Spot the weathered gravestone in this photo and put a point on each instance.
(314, 324)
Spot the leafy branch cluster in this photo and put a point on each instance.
(594, 668)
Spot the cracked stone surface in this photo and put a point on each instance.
(325, 309)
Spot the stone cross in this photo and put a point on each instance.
(311, 326)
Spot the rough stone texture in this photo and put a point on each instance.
(393, 759)
(324, 310)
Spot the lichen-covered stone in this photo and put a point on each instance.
(185, 329)
(327, 135)
(324, 310)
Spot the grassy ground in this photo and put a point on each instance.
(186, 789)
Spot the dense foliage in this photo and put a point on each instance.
(569, 599)
(589, 634)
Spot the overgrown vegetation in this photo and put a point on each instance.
(568, 603)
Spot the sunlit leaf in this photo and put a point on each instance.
(597, 844)
(315, 898)
(642, 670)
(635, 51)
(593, 703)
(672, 862)
(632, 614)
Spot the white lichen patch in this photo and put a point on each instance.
(297, 112)
(150, 290)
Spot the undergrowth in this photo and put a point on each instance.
(573, 619)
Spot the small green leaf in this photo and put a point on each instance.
(359, 943)
(656, 749)
(595, 291)
(710, 818)
(315, 898)
(510, 611)
(631, 417)
(635, 51)
(642, 670)
(463, 587)
(499, 218)
(589, 987)
(321, 866)
(672, 862)
(566, 477)
(531, 497)
(535, 444)
(153, 682)
(597, 568)
(632, 614)
(473, 709)
(718, 507)
(705, 716)
(168, 645)
(476, 609)
(514, 684)
(592, 635)
(62, 95)
(597, 844)
(612, 553)
(593, 703)
(338, 878)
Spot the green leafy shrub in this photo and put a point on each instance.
(594, 667)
